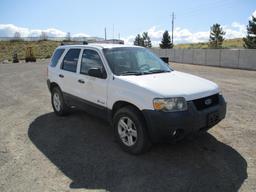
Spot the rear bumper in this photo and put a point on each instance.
(163, 125)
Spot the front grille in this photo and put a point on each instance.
(206, 102)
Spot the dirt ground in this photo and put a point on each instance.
(42, 152)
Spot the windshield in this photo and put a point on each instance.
(134, 61)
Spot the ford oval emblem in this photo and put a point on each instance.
(208, 102)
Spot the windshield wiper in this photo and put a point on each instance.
(144, 72)
(131, 73)
(158, 71)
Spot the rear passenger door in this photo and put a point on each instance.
(92, 89)
(68, 71)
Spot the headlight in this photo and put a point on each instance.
(170, 104)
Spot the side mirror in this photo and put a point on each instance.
(96, 72)
(165, 59)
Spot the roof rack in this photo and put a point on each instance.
(74, 43)
(109, 41)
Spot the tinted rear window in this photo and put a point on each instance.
(56, 57)
(70, 60)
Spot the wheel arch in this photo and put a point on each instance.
(120, 104)
(52, 85)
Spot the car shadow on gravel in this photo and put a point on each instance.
(83, 148)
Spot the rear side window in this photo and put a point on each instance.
(70, 60)
(55, 58)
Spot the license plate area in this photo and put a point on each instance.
(212, 119)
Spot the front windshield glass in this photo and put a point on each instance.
(134, 61)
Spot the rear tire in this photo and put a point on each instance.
(130, 131)
(58, 104)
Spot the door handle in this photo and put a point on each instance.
(81, 81)
(61, 76)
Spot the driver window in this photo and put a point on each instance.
(90, 59)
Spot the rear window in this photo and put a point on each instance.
(70, 60)
(55, 58)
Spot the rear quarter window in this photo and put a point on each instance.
(55, 58)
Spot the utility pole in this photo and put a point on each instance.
(105, 33)
(113, 32)
(172, 25)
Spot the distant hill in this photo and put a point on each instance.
(228, 44)
(42, 49)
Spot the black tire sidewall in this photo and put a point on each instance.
(142, 142)
(63, 109)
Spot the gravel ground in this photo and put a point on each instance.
(42, 152)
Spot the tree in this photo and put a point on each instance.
(146, 40)
(142, 40)
(166, 41)
(250, 40)
(216, 36)
(17, 36)
(138, 40)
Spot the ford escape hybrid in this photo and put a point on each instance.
(143, 98)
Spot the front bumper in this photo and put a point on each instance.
(167, 125)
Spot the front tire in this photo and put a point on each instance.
(58, 104)
(130, 130)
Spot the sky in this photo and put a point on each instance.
(126, 18)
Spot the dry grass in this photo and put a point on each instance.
(42, 49)
(227, 44)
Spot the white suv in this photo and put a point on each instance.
(143, 98)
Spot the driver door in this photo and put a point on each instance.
(92, 90)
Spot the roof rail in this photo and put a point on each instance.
(73, 43)
(109, 41)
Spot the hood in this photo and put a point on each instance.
(174, 84)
